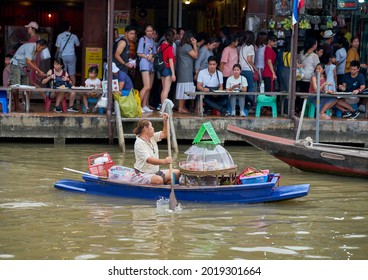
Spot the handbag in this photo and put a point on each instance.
(255, 76)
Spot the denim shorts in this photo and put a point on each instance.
(166, 72)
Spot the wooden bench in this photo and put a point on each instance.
(201, 95)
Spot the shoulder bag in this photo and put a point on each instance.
(255, 72)
(58, 54)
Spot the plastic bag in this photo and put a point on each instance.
(102, 103)
(129, 105)
(121, 173)
(299, 73)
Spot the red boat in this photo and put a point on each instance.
(308, 156)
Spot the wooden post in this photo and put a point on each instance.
(119, 127)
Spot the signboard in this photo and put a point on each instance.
(93, 58)
(347, 5)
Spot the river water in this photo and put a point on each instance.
(40, 222)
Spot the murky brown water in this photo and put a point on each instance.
(40, 222)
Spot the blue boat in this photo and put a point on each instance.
(247, 193)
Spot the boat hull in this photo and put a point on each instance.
(250, 193)
(319, 158)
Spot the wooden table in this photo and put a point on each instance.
(201, 95)
(28, 90)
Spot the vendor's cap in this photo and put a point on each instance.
(32, 24)
(328, 34)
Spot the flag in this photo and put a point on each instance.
(297, 5)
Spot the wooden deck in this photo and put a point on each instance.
(50, 125)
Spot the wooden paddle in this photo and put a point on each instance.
(172, 198)
(84, 173)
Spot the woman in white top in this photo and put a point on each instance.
(261, 43)
(309, 59)
(341, 53)
(237, 83)
(246, 59)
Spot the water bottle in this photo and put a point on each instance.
(261, 88)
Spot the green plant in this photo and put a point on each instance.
(304, 24)
(286, 23)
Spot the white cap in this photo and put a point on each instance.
(115, 69)
(32, 24)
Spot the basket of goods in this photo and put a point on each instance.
(99, 164)
(252, 175)
(205, 161)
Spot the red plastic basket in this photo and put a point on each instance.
(99, 164)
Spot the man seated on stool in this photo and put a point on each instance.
(211, 79)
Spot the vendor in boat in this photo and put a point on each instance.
(147, 164)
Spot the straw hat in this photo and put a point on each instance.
(32, 24)
(328, 34)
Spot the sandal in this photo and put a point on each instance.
(324, 116)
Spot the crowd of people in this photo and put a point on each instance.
(201, 63)
(233, 62)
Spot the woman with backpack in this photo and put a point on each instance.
(168, 56)
(146, 51)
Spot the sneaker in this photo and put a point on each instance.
(158, 107)
(347, 114)
(355, 115)
(242, 114)
(57, 109)
(233, 114)
(85, 110)
(73, 109)
(362, 108)
(147, 110)
(226, 114)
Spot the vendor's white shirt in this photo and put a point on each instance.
(143, 150)
(210, 80)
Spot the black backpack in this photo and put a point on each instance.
(158, 60)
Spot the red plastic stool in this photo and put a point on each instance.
(48, 101)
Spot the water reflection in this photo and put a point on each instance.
(40, 222)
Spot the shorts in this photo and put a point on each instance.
(70, 64)
(17, 76)
(166, 72)
(145, 178)
(352, 100)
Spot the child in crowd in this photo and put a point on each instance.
(59, 78)
(237, 83)
(6, 72)
(330, 70)
(325, 103)
(91, 82)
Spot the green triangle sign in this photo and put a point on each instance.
(211, 132)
